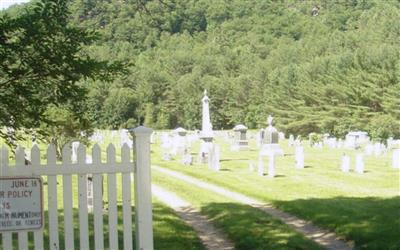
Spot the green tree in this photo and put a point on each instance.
(42, 64)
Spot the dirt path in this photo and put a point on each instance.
(211, 237)
(323, 237)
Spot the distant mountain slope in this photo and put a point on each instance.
(318, 66)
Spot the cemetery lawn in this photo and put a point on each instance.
(361, 208)
(247, 227)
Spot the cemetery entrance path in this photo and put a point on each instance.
(211, 237)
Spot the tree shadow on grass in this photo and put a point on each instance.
(275, 176)
(170, 232)
(371, 222)
(244, 159)
(251, 228)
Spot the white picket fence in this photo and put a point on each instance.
(98, 169)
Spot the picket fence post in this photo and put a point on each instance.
(143, 205)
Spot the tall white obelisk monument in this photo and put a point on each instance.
(206, 126)
(206, 134)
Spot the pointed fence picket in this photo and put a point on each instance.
(19, 163)
(126, 199)
(68, 200)
(38, 234)
(52, 200)
(97, 200)
(112, 200)
(66, 170)
(7, 236)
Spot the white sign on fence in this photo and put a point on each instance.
(21, 203)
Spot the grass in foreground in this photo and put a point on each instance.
(363, 208)
(247, 227)
(170, 232)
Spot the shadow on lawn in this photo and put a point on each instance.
(230, 159)
(371, 222)
(170, 233)
(275, 176)
(251, 228)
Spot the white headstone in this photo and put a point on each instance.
(204, 150)
(239, 139)
(378, 149)
(214, 156)
(369, 149)
(291, 140)
(271, 140)
(355, 139)
(389, 142)
(299, 157)
(345, 166)
(359, 163)
(340, 143)
(331, 142)
(187, 159)
(396, 158)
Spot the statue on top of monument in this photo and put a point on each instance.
(205, 98)
(269, 120)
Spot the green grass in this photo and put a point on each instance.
(363, 208)
(247, 227)
(170, 232)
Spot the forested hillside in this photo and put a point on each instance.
(333, 70)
